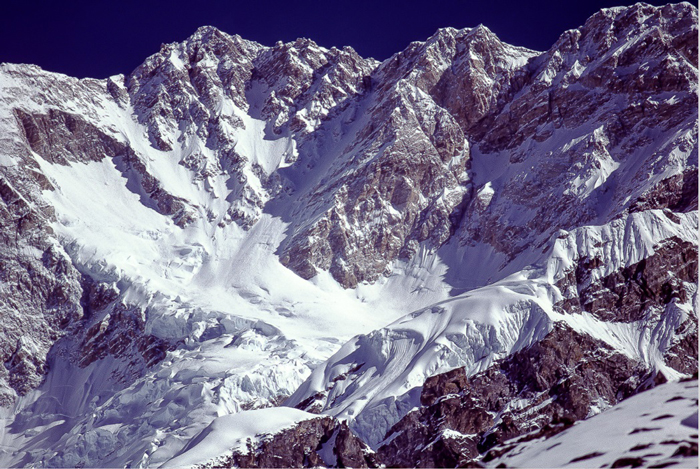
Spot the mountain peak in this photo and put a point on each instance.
(465, 242)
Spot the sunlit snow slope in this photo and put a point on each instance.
(657, 428)
(234, 227)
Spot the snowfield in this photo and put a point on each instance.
(249, 236)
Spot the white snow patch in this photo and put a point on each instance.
(233, 433)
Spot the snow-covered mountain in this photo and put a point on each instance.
(463, 244)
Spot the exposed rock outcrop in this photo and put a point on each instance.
(642, 288)
(592, 87)
(564, 378)
(40, 289)
(321, 442)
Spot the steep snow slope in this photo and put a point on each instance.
(245, 329)
(376, 378)
(274, 438)
(232, 224)
(232, 433)
(175, 263)
(636, 432)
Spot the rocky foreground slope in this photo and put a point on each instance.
(234, 227)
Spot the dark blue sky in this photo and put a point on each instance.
(99, 38)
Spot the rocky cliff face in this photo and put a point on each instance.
(546, 387)
(320, 442)
(528, 219)
(536, 168)
(589, 87)
(40, 288)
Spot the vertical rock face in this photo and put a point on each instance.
(302, 84)
(639, 290)
(178, 92)
(599, 63)
(528, 219)
(404, 184)
(39, 288)
(469, 73)
(596, 85)
(406, 180)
